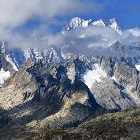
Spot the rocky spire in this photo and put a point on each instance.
(3, 47)
(113, 24)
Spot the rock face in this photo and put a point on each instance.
(121, 83)
(18, 87)
(78, 22)
(114, 84)
(41, 96)
(4, 64)
(110, 94)
(55, 95)
(129, 78)
(126, 76)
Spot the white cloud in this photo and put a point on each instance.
(16, 12)
(130, 35)
(93, 37)
(79, 40)
(135, 31)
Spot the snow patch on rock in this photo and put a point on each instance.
(11, 62)
(113, 24)
(137, 65)
(99, 23)
(94, 75)
(113, 77)
(3, 76)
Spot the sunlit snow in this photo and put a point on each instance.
(113, 77)
(11, 62)
(99, 23)
(91, 76)
(113, 24)
(3, 76)
(137, 65)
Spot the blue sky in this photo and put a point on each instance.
(126, 13)
(22, 21)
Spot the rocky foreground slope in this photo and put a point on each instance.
(123, 125)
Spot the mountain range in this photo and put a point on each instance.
(53, 89)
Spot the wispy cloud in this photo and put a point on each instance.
(93, 39)
(15, 12)
(86, 40)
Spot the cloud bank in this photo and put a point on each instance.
(93, 39)
(16, 13)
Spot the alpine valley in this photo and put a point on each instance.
(53, 94)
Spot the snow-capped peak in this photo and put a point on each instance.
(99, 22)
(77, 22)
(113, 24)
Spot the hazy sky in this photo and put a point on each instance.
(21, 21)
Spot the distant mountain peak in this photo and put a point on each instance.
(79, 22)
(99, 22)
(112, 20)
(76, 22)
(113, 24)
